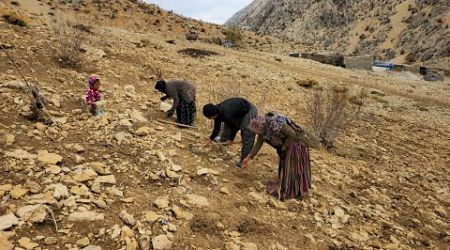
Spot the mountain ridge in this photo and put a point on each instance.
(404, 31)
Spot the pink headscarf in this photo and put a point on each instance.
(257, 125)
(92, 80)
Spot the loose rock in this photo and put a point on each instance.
(127, 218)
(7, 221)
(161, 242)
(86, 216)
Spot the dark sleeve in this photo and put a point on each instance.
(216, 129)
(173, 93)
(256, 147)
(233, 134)
(289, 132)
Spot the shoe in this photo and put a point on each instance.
(238, 165)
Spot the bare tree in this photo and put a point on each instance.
(331, 113)
(68, 47)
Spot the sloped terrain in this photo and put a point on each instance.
(404, 30)
(129, 181)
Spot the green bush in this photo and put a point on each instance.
(234, 35)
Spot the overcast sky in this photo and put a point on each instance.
(213, 11)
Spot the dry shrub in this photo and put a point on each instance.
(307, 83)
(331, 112)
(68, 50)
(16, 19)
(83, 27)
(234, 35)
(218, 93)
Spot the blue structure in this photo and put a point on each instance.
(387, 65)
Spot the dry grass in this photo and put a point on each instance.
(68, 50)
(331, 112)
(218, 93)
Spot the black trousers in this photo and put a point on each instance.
(186, 111)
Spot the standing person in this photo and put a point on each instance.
(291, 142)
(93, 96)
(183, 95)
(236, 114)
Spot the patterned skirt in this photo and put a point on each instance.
(186, 112)
(294, 173)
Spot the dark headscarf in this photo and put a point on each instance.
(210, 110)
(161, 86)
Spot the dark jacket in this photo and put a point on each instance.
(231, 112)
(179, 90)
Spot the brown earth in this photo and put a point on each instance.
(386, 185)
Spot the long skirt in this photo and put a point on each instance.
(294, 173)
(186, 112)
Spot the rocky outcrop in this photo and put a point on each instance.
(406, 30)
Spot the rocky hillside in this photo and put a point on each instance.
(126, 180)
(404, 30)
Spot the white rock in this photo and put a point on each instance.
(175, 168)
(53, 169)
(56, 100)
(249, 246)
(9, 139)
(171, 174)
(180, 214)
(20, 154)
(127, 218)
(100, 203)
(224, 190)
(161, 156)
(85, 175)
(86, 216)
(231, 246)
(32, 213)
(110, 179)
(5, 187)
(4, 243)
(60, 191)
(197, 200)
(7, 221)
(92, 247)
(258, 197)
(204, 171)
(138, 116)
(275, 203)
(115, 231)
(161, 242)
(143, 131)
(48, 158)
(172, 227)
(130, 88)
(26, 243)
(339, 212)
(161, 203)
(18, 192)
(83, 242)
(99, 168)
(151, 216)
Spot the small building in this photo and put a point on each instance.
(359, 62)
(294, 54)
(332, 59)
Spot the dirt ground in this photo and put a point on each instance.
(385, 186)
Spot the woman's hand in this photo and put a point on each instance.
(245, 162)
(285, 146)
(208, 142)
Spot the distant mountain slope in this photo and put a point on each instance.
(404, 30)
